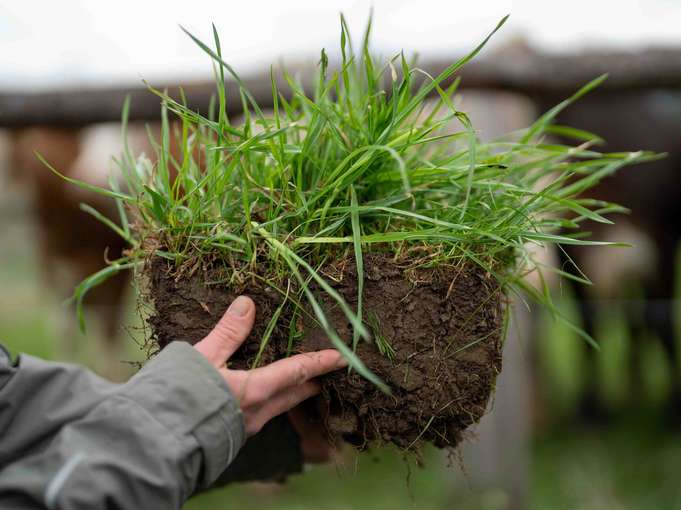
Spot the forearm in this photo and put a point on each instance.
(172, 429)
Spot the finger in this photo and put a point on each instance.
(282, 402)
(297, 370)
(230, 332)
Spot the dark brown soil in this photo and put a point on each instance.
(444, 325)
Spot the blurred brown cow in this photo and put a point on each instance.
(71, 243)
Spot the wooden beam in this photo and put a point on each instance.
(535, 75)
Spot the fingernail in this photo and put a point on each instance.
(240, 306)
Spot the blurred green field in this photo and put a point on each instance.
(631, 463)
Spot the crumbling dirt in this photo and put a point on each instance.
(444, 325)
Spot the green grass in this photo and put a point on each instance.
(362, 163)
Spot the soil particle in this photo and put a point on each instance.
(443, 324)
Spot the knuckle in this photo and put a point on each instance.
(322, 359)
(302, 373)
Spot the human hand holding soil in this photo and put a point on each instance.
(268, 391)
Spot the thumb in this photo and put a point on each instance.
(229, 333)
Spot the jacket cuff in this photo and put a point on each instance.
(184, 392)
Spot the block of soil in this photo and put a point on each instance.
(437, 337)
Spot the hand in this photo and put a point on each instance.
(268, 391)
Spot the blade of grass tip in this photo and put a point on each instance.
(573, 133)
(163, 159)
(427, 89)
(277, 118)
(125, 114)
(185, 158)
(222, 98)
(356, 236)
(346, 31)
(367, 31)
(106, 221)
(84, 185)
(122, 215)
(218, 48)
(593, 178)
(95, 280)
(573, 263)
(230, 70)
(576, 329)
(346, 60)
(367, 61)
(323, 69)
(542, 122)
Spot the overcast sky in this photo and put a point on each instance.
(76, 42)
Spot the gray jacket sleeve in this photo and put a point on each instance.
(71, 440)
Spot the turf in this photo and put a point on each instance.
(364, 162)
